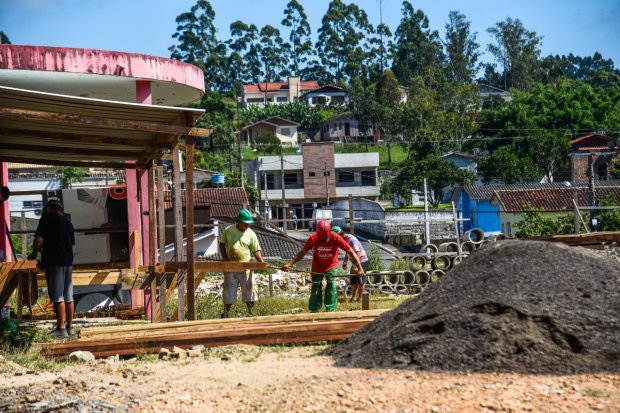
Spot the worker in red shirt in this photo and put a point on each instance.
(324, 262)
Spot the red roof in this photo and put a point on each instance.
(592, 142)
(277, 86)
(224, 202)
(549, 200)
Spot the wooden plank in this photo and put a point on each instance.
(82, 164)
(106, 123)
(582, 239)
(178, 231)
(275, 334)
(154, 290)
(81, 279)
(161, 236)
(112, 331)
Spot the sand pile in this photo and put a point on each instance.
(519, 306)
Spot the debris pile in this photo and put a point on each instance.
(516, 306)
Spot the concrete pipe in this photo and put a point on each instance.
(456, 261)
(440, 262)
(475, 235)
(422, 277)
(417, 263)
(391, 279)
(468, 247)
(374, 278)
(402, 289)
(407, 278)
(448, 247)
(496, 237)
(429, 249)
(384, 288)
(415, 289)
(437, 274)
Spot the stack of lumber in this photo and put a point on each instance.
(122, 311)
(150, 338)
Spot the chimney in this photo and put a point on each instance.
(294, 87)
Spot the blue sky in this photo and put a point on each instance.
(146, 26)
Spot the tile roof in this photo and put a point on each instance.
(224, 202)
(275, 121)
(273, 244)
(261, 87)
(485, 192)
(592, 142)
(550, 199)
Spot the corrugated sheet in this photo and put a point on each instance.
(550, 199)
(224, 202)
(485, 192)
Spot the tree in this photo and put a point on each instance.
(610, 219)
(198, 44)
(517, 50)
(576, 67)
(4, 39)
(438, 172)
(416, 47)
(461, 48)
(272, 54)
(535, 224)
(507, 164)
(70, 175)
(342, 30)
(300, 44)
(244, 65)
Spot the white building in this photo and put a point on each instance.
(325, 95)
(283, 129)
(277, 93)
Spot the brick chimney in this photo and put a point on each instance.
(294, 88)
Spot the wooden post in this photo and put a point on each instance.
(351, 221)
(189, 217)
(24, 237)
(152, 241)
(365, 301)
(456, 230)
(178, 229)
(161, 233)
(20, 290)
(576, 220)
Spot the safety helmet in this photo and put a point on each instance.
(336, 229)
(245, 216)
(323, 228)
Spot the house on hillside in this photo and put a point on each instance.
(283, 129)
(346, 128)
(487, 92)
(596, 148)
(277, 93)
(552, 202)
(325, 95)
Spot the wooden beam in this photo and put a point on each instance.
(105, 123)
(152, 241)
(77, 137)
(189, 216)
(81, 164)
(115, 154)
(161, 234)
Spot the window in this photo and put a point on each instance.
(319, 100)
(33, 204)
(602, 171)
(345, 178)
(291, 181)
(282, 99)
(271, 182)
(338, 99)
(255, 100)
(369, 178)
(311, 174)
(285, 131)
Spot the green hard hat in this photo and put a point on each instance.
(245, 216)
(336, 229)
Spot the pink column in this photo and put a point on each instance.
(5, 214)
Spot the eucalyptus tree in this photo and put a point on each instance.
(340, 43)
(272, 53)
(462, 50)
(244, 58)
(300, 49)
(416, 47)
(198, 43)
(517, 50)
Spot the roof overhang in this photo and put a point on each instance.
(46, 128)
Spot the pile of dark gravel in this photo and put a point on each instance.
(515, 306)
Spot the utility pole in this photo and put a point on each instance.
(326, 175)
(427, 224)
(284, 209)
(257, 180)
(592, 191)
(239, 141)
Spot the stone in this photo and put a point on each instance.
(164, 354)
(81, 356)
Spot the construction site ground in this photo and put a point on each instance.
(292, 379)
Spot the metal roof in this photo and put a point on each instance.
(46, 128)
(485, 192)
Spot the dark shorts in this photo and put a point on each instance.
(59, 283)
(354, 279)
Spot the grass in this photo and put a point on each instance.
(592, 392)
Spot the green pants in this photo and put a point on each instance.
(316, 293)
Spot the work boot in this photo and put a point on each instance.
(224, 314)
(71, 331)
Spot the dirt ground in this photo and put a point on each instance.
(292, 379)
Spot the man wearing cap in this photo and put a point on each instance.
(324, 265)
(239, 243)
(55, 239)
(357, 281)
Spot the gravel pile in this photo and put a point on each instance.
(516, 306)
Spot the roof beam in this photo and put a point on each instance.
(107, 153)
(106, 123)
(82, 164)
(78, 137)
